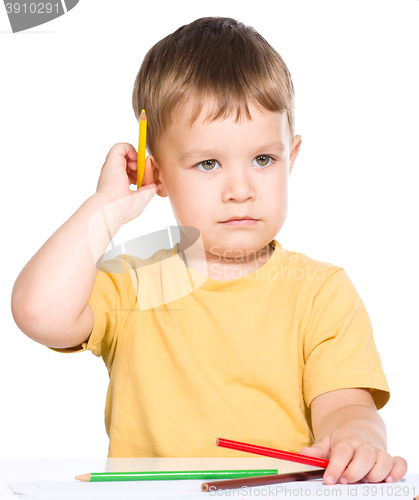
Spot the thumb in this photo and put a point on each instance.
(318, 450)
(134, 205)
(146, 192)
(150, 187)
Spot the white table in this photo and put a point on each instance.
(47, 476)
(65, 469)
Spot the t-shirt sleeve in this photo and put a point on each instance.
(339, 347)
(112, 298)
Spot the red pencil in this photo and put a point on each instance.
(271, 452)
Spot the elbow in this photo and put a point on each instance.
(25, 317)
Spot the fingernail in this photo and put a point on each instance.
(343, 480)
(389, 479)
(330, 479)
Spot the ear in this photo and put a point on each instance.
(155, 175)
(295, 149)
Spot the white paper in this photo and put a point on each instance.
(407, 488)
(6, 492)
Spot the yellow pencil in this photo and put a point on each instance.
(141, 149)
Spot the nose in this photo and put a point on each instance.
(238, 183)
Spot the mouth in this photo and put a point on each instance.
(244, 218)
(240, 222)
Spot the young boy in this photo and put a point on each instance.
(272, 347)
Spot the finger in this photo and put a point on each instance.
(398, 470)
(340, 457)
(122, 153)
(366, 462)
(319, 450)
(132, 160)
(132, 176)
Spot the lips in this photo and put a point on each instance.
(243, 217)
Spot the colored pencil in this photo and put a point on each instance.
(171, 475)
(141, 149)
(262, 480)
(272, 452)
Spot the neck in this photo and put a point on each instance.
(223, 269)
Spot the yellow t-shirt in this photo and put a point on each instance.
(239, 359)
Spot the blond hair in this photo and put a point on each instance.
(212, 57)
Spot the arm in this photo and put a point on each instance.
(50, 296)
(345, 408)
(350, 433)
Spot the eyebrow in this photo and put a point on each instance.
(195, 153)
(277, 146)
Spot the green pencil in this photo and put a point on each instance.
(172, 475)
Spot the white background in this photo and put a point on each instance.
(65, 99)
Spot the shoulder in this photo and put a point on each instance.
(126, 262)
(308, 271)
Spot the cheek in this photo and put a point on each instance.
(275, 197)
(193, 191)
(276, 186)
(194, 206)
(191, 203)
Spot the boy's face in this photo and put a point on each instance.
(214, 171)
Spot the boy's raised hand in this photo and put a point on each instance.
(118, 173)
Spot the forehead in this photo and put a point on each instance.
(186, 113)
(186, 124)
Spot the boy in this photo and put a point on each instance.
(272, 347)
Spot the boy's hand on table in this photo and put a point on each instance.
(351, 434)
(353, 458)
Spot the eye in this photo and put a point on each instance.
(207, 165)
(262, 160)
